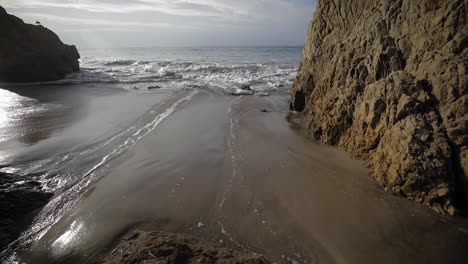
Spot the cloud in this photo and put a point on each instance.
(247, 10)
(104, 22)
(218, 21)
(183, 8)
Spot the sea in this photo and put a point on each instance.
(224, 69)
(29, 113)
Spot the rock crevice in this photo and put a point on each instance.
(387, 81)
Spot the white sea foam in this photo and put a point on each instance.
(187, 74)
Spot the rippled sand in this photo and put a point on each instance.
(231, 170)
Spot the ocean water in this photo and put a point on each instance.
(66, 134)
(223, 69)
(33, 113)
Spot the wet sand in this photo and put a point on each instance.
(220, 169)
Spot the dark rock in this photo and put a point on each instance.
(20, 201)
(298, 102)
(245, 87)
(265, 111)
(387, 81)
(159, 247)
(32, 53)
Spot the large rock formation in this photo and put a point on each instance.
(30, 53)
(387, 81)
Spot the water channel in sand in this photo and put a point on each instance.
(218, 168)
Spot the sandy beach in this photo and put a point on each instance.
(232, 171)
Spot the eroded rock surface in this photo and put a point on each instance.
(33, 53)
(159, 247)
(387, 81)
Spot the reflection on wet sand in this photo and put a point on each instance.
(26, 120)
(23, 118)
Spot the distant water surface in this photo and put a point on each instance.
(265, 69)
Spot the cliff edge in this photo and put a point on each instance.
(387, 82)
(32, 53)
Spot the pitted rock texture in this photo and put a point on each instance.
(387, 81)
(33, 53)
(139, 246)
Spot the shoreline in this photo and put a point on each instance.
(218, 167)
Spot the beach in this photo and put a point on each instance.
(228, 170)
(194, 143)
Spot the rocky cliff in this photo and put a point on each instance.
(32, 53)
(387, 81)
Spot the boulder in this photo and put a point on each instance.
(387, 81)
(33, 53)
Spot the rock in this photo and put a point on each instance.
(442, 192)
(451, 210)
(245, 87)
(20, 200)
(159, 247)
(387, 81)
(32, 53)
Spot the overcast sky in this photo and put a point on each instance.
(148, 23)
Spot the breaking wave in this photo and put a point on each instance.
(137, 75)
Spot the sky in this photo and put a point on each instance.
(153, 23)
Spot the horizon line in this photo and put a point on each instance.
(200, 46)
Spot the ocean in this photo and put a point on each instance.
(223, 69)
(29, 113)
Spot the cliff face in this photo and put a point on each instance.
(387, 81)
(30, 53)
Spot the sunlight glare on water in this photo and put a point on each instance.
(8, 101)
(69, 239)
